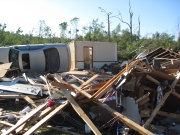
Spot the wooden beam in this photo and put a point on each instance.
(29, 100)
(152, 79)
(125, 120)
(170, 71)
(79, 80)
(158, 107)
(81, 91)
(89, 80)
(6, 123)
(24, 119)
(4, 68)
(33, 119)
(97, 86)
(62, 85)
(162, 75)
(176, 94)
(80, 112)
(143, 100)
(110, 82)
(172, 115)
(45, 119)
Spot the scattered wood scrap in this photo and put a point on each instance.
(151, 82)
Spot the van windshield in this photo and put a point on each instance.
(13, 57)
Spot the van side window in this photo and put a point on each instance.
(25, 61)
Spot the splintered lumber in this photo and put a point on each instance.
(89, 80)
(143, 100)
(152, 79)
(97, 86)
(125, 120)
(167, 114)
(110, 82)
(81, 91)
(4, 68)
(162, 75)
(24, 119)
(79, 80)
(45, 119)
(6, 123)
(62, 85)
(80, 112)
(35, 118)
(158, 107)
(29, 100)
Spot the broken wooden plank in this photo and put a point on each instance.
(96, 86)
(143, 100)
(33, 119)
(170, 71)
(79, 80)
(162, 75)
(24, 119)
(110, 82)
(6, 123)
(81, 91)
(62, 85)
(176, 94)
(145, 113)
(29, 100)
(167, 114)
(4, 68)
(89, 80)
(125, 120)
(158, 107)
(80, 112)
(45, 119)
(153, 80)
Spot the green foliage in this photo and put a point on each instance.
(93, 32)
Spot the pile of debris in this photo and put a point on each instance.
(142, 98)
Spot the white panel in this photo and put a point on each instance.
(80, 65)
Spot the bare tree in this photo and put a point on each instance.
(130, 22)
(108, 18)
(139, 30)
(74, 23)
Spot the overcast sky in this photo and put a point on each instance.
(155, 15)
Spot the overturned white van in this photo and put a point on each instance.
(37, 57)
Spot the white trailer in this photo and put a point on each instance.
(87, 54)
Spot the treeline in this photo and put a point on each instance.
(94, 32)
